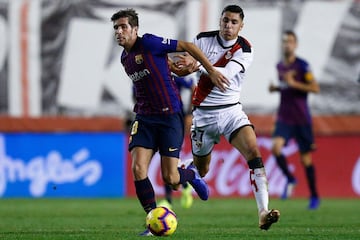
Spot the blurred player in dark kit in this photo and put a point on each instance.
(294, 117)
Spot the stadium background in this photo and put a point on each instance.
(65, 100)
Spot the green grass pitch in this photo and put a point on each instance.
(233, 218)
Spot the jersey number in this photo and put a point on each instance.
(166, 41)
(197, 136)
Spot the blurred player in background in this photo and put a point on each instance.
(218, 111)
(293, 117)
(158, 124)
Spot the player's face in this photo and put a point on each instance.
(125, 34)
(230, 25)
(289, 45)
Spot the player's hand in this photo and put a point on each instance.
(289, 78)
(186, 62)
(272, 88)
(219, 80)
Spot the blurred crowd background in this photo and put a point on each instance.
(60, 58)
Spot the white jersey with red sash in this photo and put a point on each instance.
(231, 58)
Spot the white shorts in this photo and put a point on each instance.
(209, 125)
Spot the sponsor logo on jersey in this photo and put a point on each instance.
(136, 76)
(228, 55)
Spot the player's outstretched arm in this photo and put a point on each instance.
(218, 79)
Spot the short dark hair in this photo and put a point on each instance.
(130, 13)
(291, 33)
(234, 9)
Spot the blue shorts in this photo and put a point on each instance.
(158, 132)
(303, 135)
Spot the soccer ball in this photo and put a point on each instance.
(161, 221)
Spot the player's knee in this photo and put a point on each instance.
(252, 152)
(139, 171)
(306, 161)
(276, 151)
(171, 179)
(203, 171)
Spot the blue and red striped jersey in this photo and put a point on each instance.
(147, 66)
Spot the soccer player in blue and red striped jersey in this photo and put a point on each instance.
(294, 117)
(158, 125)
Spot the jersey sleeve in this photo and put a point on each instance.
(308, 75)
(239, 63)
(244, 59)
(159, 45)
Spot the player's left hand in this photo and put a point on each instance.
(186, 61)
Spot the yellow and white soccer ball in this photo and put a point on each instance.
(161, 221)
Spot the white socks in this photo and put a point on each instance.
(259, 184)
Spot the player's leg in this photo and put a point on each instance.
(141, 147)
(168, 193)
(314, 201)
(310, 172)
(203, 140)
(244, 139)
(173, 175)
(141, 158)
(278, 143)
(167, 202)
(305, 140)
(281, 135)
(186, 199)
(202, 163)
(169, 148)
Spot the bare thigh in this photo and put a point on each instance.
(245, 141)
(141, 158)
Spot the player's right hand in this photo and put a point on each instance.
(272, 87)
(219, 80)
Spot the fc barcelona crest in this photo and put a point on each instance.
(139, 59)
(228, 55)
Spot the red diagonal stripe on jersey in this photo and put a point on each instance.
(205, 85)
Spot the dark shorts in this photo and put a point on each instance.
(302, 134)
(164, 133)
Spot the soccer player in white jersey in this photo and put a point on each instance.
(218, 111)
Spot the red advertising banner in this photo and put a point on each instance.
(337, 162)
